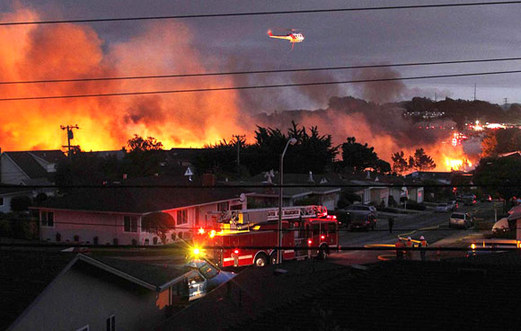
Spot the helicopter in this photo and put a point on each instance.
(293, 37)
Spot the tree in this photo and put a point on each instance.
(20, 203)
(500, 142)
(400, 165)
(422, 161)
(159, 223)
(357, 156)
(138, 144)
(144, 156)
(499, 176)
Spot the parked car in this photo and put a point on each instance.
(206, 279)
(463, 220)
(443, 208)
(486, 198)
(362, 221)
(453, 204)
(351, 212)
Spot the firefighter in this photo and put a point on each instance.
(399, 249)
(423, 244)
(409, 245)
(390, 220)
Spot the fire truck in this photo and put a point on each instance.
(250, 236)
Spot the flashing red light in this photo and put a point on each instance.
(322, 237)
(236, 251)
(310, 241)
(201, 231)
(334, 217)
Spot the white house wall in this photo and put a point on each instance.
(76, 299)
(10, 173)
(87, 225)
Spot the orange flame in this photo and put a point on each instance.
(75, 51)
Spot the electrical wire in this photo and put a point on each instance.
(263, 13)
(230, 88)
(250, 72)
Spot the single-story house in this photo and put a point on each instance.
(315, 189)
(63, 291)
(113, 215)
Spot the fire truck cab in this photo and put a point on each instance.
(250, 237)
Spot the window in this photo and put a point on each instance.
(111, 323)
(47, 218)
(182, 217)
(130, 224)
(223, 206)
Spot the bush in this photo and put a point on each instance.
(20, 203)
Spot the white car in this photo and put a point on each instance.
(443, 208)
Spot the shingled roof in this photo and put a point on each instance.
(395, 295)
(24, 275)
(142, 195)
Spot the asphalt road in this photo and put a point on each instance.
(433, 226)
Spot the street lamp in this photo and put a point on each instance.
(292, 141)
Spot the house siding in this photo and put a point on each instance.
(10, 173)
(76, 299)
(87, 225)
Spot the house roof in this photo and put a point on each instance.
(51, 156)
(142, 195)
(13, 190)
(392, 295)
(27, 163)
(24, 275)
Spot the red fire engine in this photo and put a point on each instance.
(249, 237)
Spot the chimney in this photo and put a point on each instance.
(208, 180)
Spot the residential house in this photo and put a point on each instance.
(29, 167)
(114, 214)
(62, 291)
(315, 189)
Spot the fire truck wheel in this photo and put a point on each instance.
(261, 260)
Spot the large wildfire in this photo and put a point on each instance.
(43, 52)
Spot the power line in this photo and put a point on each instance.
(229, 73)
(262, 13)
(273, 186)
(215, 89)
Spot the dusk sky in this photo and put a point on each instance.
(241, 43)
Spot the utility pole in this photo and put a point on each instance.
(239, 139)
(70, 136)
(474, 91)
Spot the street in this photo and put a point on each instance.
(433, 226)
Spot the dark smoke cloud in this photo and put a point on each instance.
(379, 92)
